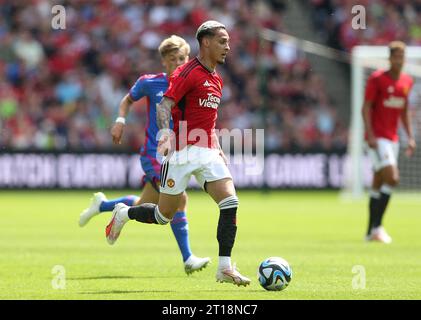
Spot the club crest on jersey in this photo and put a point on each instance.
(170, 183)
(390, 89)
(210, 102)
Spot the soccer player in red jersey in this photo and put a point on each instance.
(174, 52)
(386, 101)
(193, 98)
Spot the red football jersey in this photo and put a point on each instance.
(197, 94)
(389, 98)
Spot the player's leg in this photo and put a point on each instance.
(108, 205)
(215, 178)
(149, 213)
(390, 175)
(180, 228)
(149, 194)
(223, 193)
(100, 203)
(161, 213)
(150, 181)
(169, 200)
(386, 177)
(374, 200)
(179, 224)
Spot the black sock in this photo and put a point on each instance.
(383, 202)
(144, 213)
(227, 230)
(373, 210)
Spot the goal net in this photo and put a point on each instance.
(358, 172)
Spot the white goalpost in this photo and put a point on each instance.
(358, 174)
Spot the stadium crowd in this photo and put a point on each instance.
(60, 89)
(386, 20)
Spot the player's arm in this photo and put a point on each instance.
(406, 122)
(178, 87)
(137, 92)
(118, 127)
(163, 112)
(366, 112)
(163, 117)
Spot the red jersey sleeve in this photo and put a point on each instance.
(371, 89)
(178, 87)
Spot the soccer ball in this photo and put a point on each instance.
(274, 274)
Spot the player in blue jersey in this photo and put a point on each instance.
(174, 52)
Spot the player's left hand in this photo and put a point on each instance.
(411, 147)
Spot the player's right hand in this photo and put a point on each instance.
(164, 145)
(372, 142)
(411, 147)
(117, 132)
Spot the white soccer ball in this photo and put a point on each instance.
(274, 274)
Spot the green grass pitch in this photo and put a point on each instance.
(318, 233)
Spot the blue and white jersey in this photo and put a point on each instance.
(153, 87)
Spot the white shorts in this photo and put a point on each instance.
(385, 155)
(204, 163)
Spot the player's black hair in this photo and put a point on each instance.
(208, 29)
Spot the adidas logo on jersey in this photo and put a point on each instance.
(160, 94)
(206, 84)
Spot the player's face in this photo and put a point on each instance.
(397, 60)
(174, 59)
(219, 46)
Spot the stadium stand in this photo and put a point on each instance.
(60, 89)
(387, 20)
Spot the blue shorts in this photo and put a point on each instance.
(152, 168)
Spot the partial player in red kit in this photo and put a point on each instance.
(386, 102)
(193, 98)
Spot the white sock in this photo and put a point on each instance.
(375, 194)
(160, 217)
(385, 188)
(123, 214)
(224, 263)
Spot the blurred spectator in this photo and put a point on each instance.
(28, 49)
